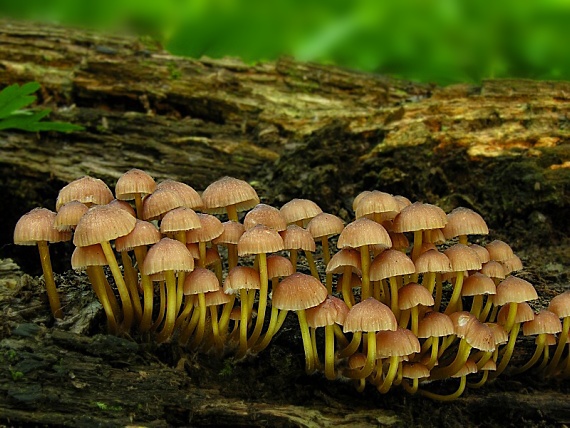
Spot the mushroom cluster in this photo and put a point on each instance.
(392, 313)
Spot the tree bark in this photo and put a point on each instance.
(293, 130)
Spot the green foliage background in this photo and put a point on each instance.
(441, 41)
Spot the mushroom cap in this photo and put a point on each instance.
(499, 250)
(399, 241)
(524, 313)
(414, 370)
(299, 210)
(391, 263)
(482, 252)
(38, 225)
(464, 221)
(134, 181)
(231, 234)
(92, 255)
(89, 190)
(210, 228)
(377, 202)
(124, 205)
(468, 368)
(413, 294)
(228, 191)
(144, 233)
(493, 269)
(514, 264)
(370, 315)
(324, 225)
(279, 266)
(560, 305)
(433, 261)
(215, 298)
(297, 238)
(68, 215)
(102, 223)
(168, 255)
(363, 232)
(478, 284)
(462, 258)
(160, 202)
(435, 324)
(419, 216)
(201, 280)
(480, 336)
(190, 198)
(513, 289)
(266, 215)
(499, 333)
(358, 198)
(332, 310)
(345, 257)
(240, 278)
(260, 239)
(297, 292)
(396, 343)
(462, 322)
(544, 322)
(180, 219)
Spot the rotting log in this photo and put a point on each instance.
(293, 129)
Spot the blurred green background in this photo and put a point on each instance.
(442, 41)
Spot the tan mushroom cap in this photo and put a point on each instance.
(355, 282)
(396, 343)
(279, 266)
(550, 340)
(469, 367)
(560, 305)
(480, 336)
(168, 255)
(200, 280)
(482, 252)
(331, 311)
(370, 315)
(462, 258)
(102, 223)
(435, 324)
(358, 198)
(513, 289)
(124, 205)
(461, 322)
(258, 240)
(433, 261)
(133, 182)
(144, 233)
(544, 322)
(478, 284)
(493, 269)
(419, 216)
(499, 250)
(345, 257)
(399, 241)
(180, 219)
(357, 360)
(210, 228)
(513, 264)
(160, 202)
(266, 215)
(297, 292)
(37, 225)
(524, 313)
(297, 238)
(89, 190)
(377, 202)
(241, 278)
(414, 370)
(231, 234)
(363, 232)
(464, 221)
(190, 198)
(214, 298)
(413, 294)
(228, 191)
(499, 332)
(299, 210)
(325, 224)
(92, 255)
(391, 263)
(68, 215)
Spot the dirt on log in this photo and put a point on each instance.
(293, 130)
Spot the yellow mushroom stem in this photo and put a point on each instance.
(316, 360)
(162, 305)
(477, 305)
(180, 237)
(428, 281)
(330, 373)
(225, 316)
(97, 278)
(508, 350)
(148, 292)
(232, 213)
(481, 382)
(327, 259)
(347, 295)
(485, 356)
(200, 328)
(340, 337)
(232, 256)
(511, 316)
(184, 316)
(243, 322)
(138, 205)
(365, 266)
(449, 397)
(390, 374)
(538, 351)
(312, 265)
(438, 291)
(562, 338)
(394, 297)
(131, 279)
(262, 304)
(218, 342)
(189, 328)
(454, 301)
(49, 280)
(305, 335)
(275, 323)
(459, 361)
(368, 368)
(413, 388)
(545, 358)
(293, 256)
(352, 347)
(121, 286)
(446, 343)
(171, 312)
(417, 247)
(433, 346)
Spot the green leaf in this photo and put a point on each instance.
(15, 97)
